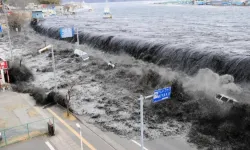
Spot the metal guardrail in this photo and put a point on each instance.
(24, 131)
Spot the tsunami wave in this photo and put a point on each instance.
(177, 58)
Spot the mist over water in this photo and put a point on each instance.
(185, 38)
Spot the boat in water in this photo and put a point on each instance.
(107, 14)
(89, 8)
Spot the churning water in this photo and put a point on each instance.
(185, 37)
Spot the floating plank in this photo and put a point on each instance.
(45, 49)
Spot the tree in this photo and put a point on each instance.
(68, 97)
(19, 3)
(49, 1)
(16, 21)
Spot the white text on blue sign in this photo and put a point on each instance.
(162, 94)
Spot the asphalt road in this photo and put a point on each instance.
(90, 139)
(162, 143)
(67, 137)
(32, 144)
(110, 141)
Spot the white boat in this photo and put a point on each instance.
(223, 98)
(89, 8)
(107, 14)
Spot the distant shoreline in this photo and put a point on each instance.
(211, 3)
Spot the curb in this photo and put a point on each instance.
(97, 132)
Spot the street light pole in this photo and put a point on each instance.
(81, 139)
(141, 113)
(77, 36)
(7, 25)
(79, 127)
(54, 67)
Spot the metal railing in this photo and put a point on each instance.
(24, 131)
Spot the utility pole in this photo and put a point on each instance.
(141, 113)
(8, 29)
(77, 36)
(54, 67)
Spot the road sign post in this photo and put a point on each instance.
(159, 95)
(69, 32)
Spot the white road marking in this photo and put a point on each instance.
(49, 145)
(138, 144)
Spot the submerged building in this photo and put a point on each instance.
(222, 2)
(231, 2)
(209, 2)
(241, 2)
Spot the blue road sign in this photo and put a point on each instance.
(162, 94)
(1, 29)
(66, 32)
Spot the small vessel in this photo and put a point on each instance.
(90, 8)
(223, 98)
(107, 14)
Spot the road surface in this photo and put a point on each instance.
(67, 136)
(37, 143)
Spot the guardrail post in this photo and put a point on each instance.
(28, 130)
(5, 139)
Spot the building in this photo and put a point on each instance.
(31, 6)
(37, 14)
(221, 2)
(241, 2)
(59, 10)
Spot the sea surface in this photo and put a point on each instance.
(185, 37)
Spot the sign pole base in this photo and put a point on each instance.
(141, 113)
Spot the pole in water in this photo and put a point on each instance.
(77, 36)
(54, 67)
(141, 113)
(7, 24)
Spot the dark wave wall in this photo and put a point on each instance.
(184, 59)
